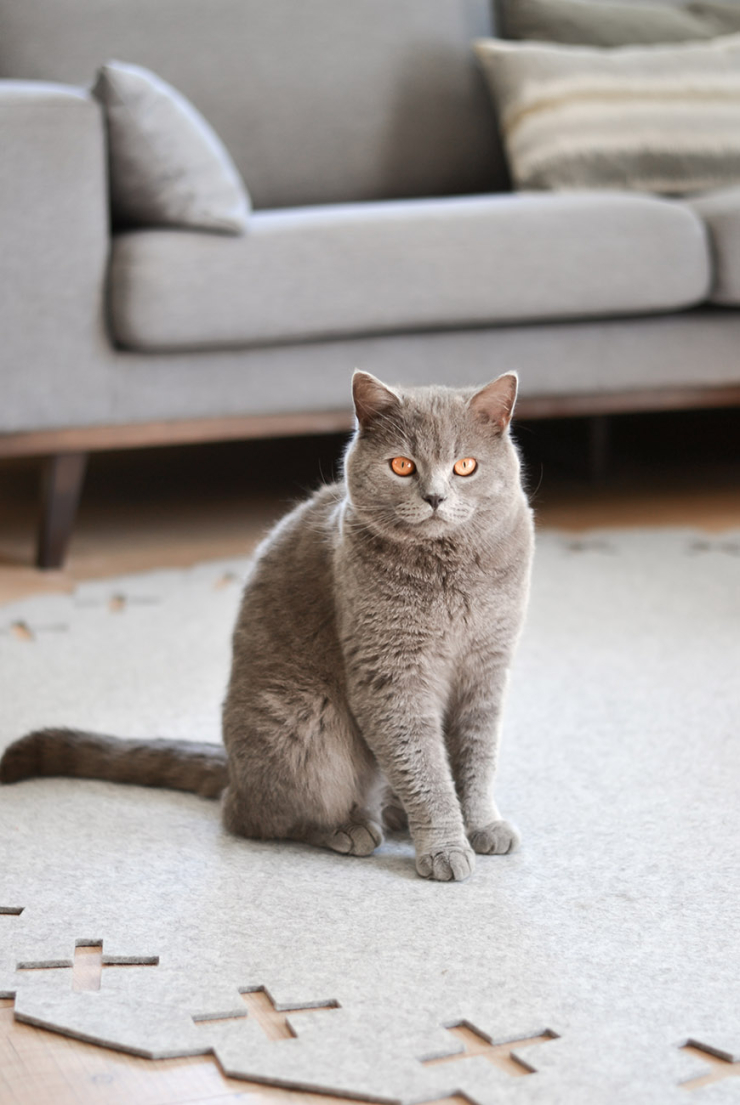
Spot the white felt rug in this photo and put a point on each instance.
(616, 926)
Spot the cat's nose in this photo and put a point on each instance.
(433, 500)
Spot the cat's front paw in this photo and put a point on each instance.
(449, 863)
(497, 839)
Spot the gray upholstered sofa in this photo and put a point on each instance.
(383, 236)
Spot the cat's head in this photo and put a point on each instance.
(426, 461)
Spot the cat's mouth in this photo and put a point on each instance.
(447, 520)
(420, 518)
(433, 521)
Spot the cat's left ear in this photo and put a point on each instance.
(372, 398)
(495, 402)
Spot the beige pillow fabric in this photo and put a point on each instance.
(584, 23)
(722, 16)
(168, 167)
(655, 119)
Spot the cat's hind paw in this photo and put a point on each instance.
(450, 863)
(497, 839)
(353, 838)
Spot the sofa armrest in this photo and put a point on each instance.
(54, 242)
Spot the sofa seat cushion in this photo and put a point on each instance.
(720, 211)
(309, 273)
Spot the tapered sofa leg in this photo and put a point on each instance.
(62, 485)
(598, 447)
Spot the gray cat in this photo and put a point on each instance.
(371, 650)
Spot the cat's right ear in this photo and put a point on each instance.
(372, 399)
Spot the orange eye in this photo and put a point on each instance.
(465, 467)
(402, 466)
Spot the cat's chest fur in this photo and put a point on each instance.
(430, 605)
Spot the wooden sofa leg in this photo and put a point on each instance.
(598, 447)
(62, 485)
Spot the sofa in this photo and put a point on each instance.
(384, 235)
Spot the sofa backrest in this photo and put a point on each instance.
(318, 101)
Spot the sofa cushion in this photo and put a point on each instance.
(721, 212)
(168, 167)
(317, 272)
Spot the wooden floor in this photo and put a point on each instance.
(43, 1068)
(38, 1067)
(167, 507)
(163, 508)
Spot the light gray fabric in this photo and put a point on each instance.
(168, 167)
(653, 119)
(721, 213)
(53, 253)
(320, 101)
(581, 22)
(694, 349)
(331, 271)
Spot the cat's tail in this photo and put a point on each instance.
(175, 765)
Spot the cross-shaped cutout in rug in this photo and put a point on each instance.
(476, 1044)
(88, 965)
(721, 1067)
(225, 580)
(20, 630)
(272, 1021)
(126, 1076)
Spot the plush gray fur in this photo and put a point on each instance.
(407, 617)
(198, 768)
(371, 651)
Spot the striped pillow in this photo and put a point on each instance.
(583, 23)
(651, 118)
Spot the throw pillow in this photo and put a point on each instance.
(655, 119)
(168, 167)
(584, 23)
(724, 18)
